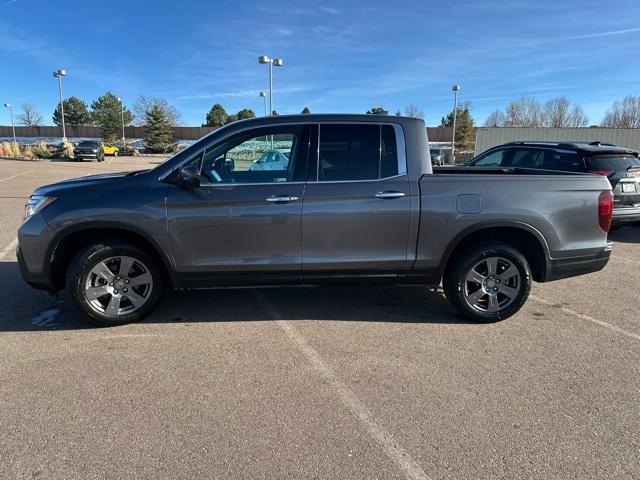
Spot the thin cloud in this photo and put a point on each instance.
(587, 36)
(10, 2)
(242, 93)
(332, 11)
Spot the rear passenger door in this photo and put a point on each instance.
(356, 210)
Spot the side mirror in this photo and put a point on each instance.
(189, 176)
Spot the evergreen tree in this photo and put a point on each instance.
(106, 114)
(378, 110)
(398, 113)
(245, 113)
(464, 124)
(216, 117)
(158, 136)
(76, 113)
(305, 110)
(274, 114)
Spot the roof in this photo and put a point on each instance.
(332, 117)
(586, 147)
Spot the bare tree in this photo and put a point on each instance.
(145, 104)
(623, 113)
(413, 111)
(558, 112)
(524, 112)
(29, 116)
(496, 119)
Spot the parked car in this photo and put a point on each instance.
(88, 149)
(620, 165)
(271, 160)
(437, 156)
(357, 203)
(109, 149)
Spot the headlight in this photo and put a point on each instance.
(36, 203)
(95, 150)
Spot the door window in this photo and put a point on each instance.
(356, 152)
(493, 159)
(266, 155)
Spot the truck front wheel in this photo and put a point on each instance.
(488, 283)
(113, 283)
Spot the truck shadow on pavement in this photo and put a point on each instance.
(23, 308)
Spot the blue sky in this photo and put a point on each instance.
(339, 56)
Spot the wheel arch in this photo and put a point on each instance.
(69, 241)
(526, 238)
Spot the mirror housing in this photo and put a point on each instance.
(188, 177)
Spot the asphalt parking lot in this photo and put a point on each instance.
(344, 383)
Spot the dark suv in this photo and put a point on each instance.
(620, 165)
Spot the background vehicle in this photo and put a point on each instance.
(375, 211)
(437, 156)
(620, 165)
(271, 160)
(109, 149)
(88, 149)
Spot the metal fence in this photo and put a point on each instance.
(435, 134)
(487, 138)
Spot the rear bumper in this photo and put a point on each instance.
(622, 215)
(559, 268)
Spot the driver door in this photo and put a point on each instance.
(243, 224)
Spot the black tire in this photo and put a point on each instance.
(81, 266)
(454, 281)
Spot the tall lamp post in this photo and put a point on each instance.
(10, 107)
(264, 96)
(122, 117)
(278, 62)
(59, 74)
(455, 89)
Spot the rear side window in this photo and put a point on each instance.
(563, 160)
(616, 163)
(356, 152)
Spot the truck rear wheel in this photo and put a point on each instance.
(488, 283)
(114, 283)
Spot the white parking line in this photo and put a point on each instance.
(16, 175)
(602, 323)
(8, 249)
(384, 439)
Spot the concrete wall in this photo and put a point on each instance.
(491, 137)
(435, 134)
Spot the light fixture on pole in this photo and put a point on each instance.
(278, 62)
(59, 74)
(122, 117)
(264, 96)
(10, 107)
(455, 89)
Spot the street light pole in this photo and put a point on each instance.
(278, 62)
(59, 74)
(10, 107)
(264, 96)
(122, 116)
(455, 90)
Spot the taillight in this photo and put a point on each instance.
(605, 173)
(605, 210)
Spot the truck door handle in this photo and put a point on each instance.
(389, 194)
(281, 199)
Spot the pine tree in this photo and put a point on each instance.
(106, 114)
(305, 110)
(216, 117)
(377, 110)
(245, 113)
(76, 113)
(464, 124)
(158, 135)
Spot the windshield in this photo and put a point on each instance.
(88, 144)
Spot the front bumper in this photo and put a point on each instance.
(34, 238)
(559, 268)
(85, 155)
(626, 214)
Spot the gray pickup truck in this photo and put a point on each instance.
(348, 199)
